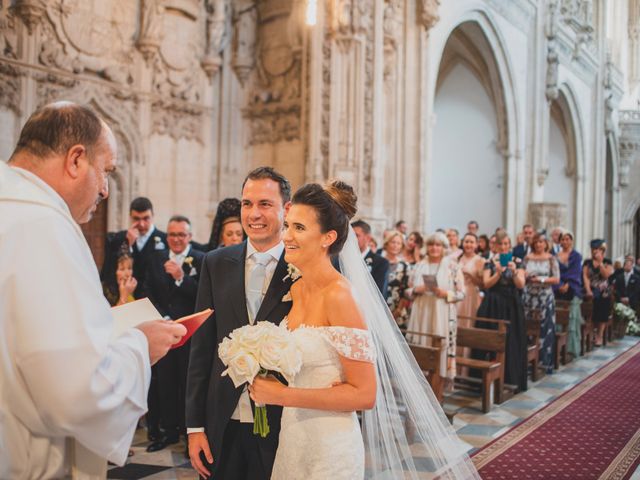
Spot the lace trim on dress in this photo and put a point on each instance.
(352, 343)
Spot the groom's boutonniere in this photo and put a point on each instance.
(159, 245)
(292, 272)
(189, 261)
(369, 262)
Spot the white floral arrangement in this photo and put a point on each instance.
(257, 350)
(292, 272)
(624, 312)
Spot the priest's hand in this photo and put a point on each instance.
(161, 335)
(198, 444)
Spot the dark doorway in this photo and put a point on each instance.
(95, 232)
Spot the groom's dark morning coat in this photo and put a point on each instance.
(211, 398)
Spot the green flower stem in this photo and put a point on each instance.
(260, 421)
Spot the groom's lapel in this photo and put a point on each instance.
(235, 277)
(278, 287)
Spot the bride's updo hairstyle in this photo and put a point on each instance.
(335, 206)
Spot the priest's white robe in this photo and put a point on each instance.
(63, 381)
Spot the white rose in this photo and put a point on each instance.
(251, 337)
(243, 368)
(227, 350)
(290, 361)
(272, 347)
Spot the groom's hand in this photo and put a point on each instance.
(198, 443)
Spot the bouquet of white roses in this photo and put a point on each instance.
(256, 350)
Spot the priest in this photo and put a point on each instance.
(70, 396)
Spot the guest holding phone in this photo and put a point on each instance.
(436, 285)
(503, 279)
(542, 272)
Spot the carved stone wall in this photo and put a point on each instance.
(200, 91)
(148, 66)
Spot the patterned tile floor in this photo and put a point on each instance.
(473, 427)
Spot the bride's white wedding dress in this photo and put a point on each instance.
(321, 444)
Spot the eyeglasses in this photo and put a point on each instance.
(180, 235)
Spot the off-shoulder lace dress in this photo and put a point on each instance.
(321, 444)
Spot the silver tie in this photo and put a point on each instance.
(255, 286)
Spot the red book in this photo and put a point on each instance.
(192, 323)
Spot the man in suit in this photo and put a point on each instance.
(523, 249)
(378, 266)
(626, 283)
(172, 285)
(556, 234)
(243, 284)
(141, 240)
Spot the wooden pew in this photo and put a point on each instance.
(560, 346)
(586, 329)
(533, 347)
(429, 359)
(492, 370)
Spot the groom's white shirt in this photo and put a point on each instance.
(65, 386)
(243, 410)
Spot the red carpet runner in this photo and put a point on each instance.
(590, 432)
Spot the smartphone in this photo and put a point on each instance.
(505, 258)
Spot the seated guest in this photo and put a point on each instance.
(503, 280)
(626, 284)
(570, 289)
(434, 310)
(541, 272)
(172, 284)
(595, 276)
(119, 289)
(227, 208)
(141, 240)
(454, 243)
(378, 266)
(398, 278)
(412, 252)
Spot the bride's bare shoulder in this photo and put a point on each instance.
(340, 306)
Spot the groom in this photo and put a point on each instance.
(243, 284)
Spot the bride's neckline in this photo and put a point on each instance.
(285, 321)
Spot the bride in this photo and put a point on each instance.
(354, 359)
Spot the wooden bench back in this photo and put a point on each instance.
(586, 308)
(483, 338)
(562, 318)
(533, 328)
(428, 358)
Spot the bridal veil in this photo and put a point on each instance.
(406, 435)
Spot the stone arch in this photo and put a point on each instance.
(473, 40)
(124, 184)
(565, 111)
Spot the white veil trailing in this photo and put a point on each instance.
(406, 435)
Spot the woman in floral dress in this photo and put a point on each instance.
(398, 278)
(541, 273)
